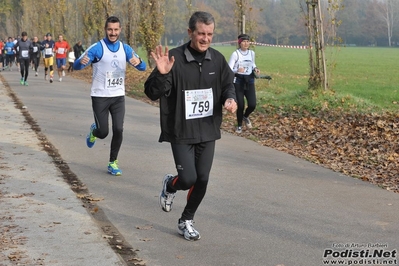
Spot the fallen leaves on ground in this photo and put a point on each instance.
(363, 146)
(89, 198)
(144, 227)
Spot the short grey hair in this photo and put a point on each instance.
(201, 17)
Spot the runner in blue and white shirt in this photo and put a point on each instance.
(10, 52)
(109, 57)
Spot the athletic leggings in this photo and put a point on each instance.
(35, 61)
(193, 164)
(10, 58)
(102, 107)
(24, 68)
(246, 90)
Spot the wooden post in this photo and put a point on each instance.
(243, 24)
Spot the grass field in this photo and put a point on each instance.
(363, 78)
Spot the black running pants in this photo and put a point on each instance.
(246, 90)
(193, 164)
(24, 68)
(102, 107)
(35, 61)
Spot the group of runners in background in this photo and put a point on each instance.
(25, 53)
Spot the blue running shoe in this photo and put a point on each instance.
(22, 81)
(113, 168)
(90, 138)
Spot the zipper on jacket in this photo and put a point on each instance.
(200, 71)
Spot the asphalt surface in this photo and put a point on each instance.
(263, 207)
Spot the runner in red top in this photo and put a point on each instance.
(61, 49)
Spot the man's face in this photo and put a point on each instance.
(24, 38)
(35, 39)
(113, 30)
(60, 38)
(201, 37)
(48, 38)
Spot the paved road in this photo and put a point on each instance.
(42, 221)
(263, 207)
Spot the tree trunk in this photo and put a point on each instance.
(318, 69)
(323, 57)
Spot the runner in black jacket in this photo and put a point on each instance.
(193, 83)
(36, 54)
(24, 48)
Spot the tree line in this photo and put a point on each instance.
(349, 22)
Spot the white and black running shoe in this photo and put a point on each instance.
(165, 197)
(247, 122)
(186, 229)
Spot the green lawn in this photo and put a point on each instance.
(365, 79)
